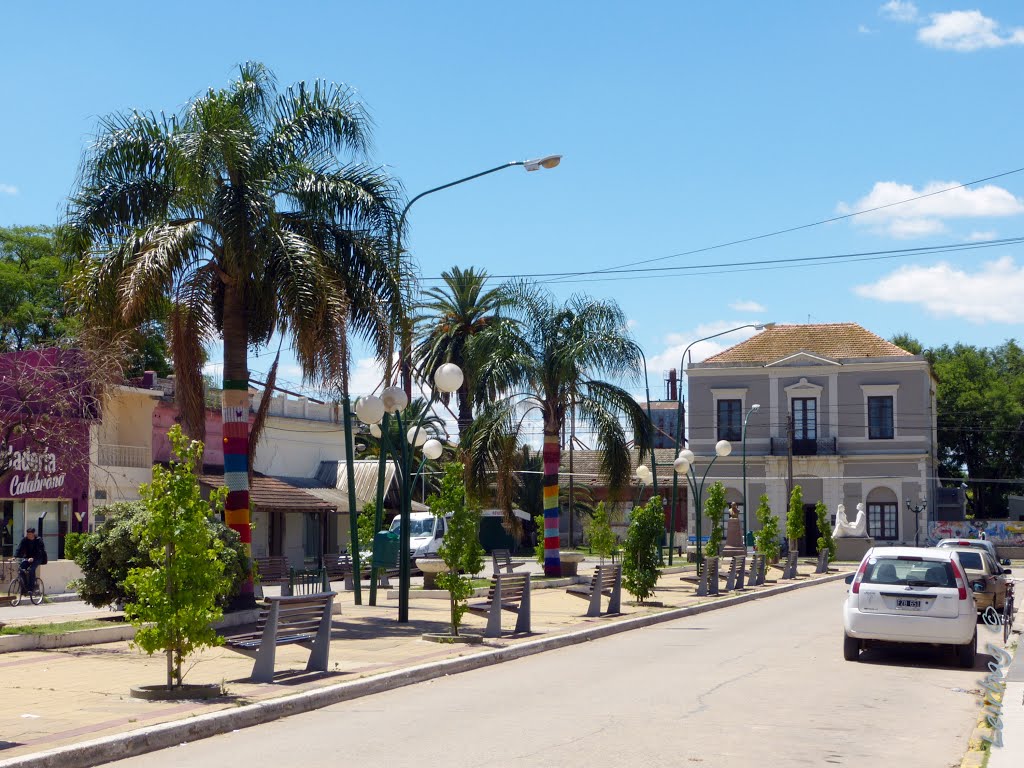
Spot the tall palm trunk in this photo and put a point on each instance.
(465, 408)
(552, 459)
(235, 411)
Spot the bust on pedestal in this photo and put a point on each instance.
(733, 535)
(851, 539)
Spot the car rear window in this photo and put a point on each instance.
(970, 560)
(922, 573)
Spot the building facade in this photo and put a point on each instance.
(844, 414)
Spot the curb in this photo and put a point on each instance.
(133, 743)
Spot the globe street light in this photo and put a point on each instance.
(917, 510)
(405, 356)
(679, 418)
(746, 418)
(393, 400)
(684, 464)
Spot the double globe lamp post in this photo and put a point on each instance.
(684, 465)
(393, 401)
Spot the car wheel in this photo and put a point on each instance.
(965, 654)
(851, 648)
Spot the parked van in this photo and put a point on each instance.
(426, 531)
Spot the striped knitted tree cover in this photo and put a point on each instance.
(235, 410)
(552, 455)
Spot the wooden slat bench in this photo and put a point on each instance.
(501, 560)
(308, 582)
(339, 567)
(271, 570)
(607, 580)
(304, 620)
(509, 592)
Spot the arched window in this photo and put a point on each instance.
(883, 514)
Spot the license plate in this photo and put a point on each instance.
(907, 604)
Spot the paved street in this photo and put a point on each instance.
(728, 688)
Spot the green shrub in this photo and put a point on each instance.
(641, 549)
(795, 519)
(73, 543)
(599, 532)
(538, 549)
(825, 541)
(767, 539)
(714, 508)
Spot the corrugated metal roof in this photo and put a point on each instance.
(837, 341)
(331, 483)
(271, 493)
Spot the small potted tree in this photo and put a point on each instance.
(714, 508)
(825, 540)
(640, 570)
(460, 550)
(767, 539)
(795, 518)
(600, 535)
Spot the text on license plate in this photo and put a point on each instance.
(909, 604)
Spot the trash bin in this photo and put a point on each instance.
(386, 546)
(750, 538)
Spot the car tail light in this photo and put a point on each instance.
(855, 588)
(961, 585)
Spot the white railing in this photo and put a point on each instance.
(139, 456)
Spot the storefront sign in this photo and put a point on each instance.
(40, 468)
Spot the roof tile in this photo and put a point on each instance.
(837, 341)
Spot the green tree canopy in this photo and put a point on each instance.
(33, 301)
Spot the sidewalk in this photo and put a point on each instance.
(63, 697)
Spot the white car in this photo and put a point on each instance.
(910, 595)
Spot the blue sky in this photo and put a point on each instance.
(682, 126)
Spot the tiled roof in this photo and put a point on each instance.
(837, 341)
(269, 493)
(586, 465)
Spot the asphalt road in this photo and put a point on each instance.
(760, 682)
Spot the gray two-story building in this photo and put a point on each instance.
(845, 414)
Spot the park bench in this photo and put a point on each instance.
(789, 567)
(508, 592)
(706, 578)
(757, 571)
(304, 620)
(606, 580)
(822, 566)
(271, 570)
(339, 566)
(308, 582)
(501, 559)
(734, 578)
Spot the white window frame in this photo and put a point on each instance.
(804, 390)
(881, 390)
(735, 393)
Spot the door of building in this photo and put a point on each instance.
(809, 542)
(275, 533)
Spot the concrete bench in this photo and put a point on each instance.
(501, 560)
(304, 620)
(607, 581)
(706, 578)
(508, 592)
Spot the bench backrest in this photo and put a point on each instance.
(605, 576)
(502, 560)
(272, 569)
(297, 614)
(306, 582)
(339, 564)
(512, 586)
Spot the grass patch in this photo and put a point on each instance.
(57, 628)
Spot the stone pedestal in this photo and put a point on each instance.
(733, 539)
(853, 547)
(570, 562)
(431, 566)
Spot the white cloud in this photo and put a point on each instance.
(676, 344)
(865, 30)
(967, 31)
(746, 306)
(980, 237)
(926, 216)
(8, 189)
(994, 293)
(899, 10)
(631, 323)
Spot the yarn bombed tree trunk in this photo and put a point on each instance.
(552, 542)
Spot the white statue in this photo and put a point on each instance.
(845, 529)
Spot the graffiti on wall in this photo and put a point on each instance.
(1001, 532)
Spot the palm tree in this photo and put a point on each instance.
(559, 358)
(239, 212)
(456, 325)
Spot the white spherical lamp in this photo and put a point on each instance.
(375, 430)
(394, 399)
(449, 377)
(370, 410)
(433, 449)
(642, 473)
(416, 436)
(723, 447)
(682, 466)
(687, 454)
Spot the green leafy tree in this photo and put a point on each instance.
(34, 309)
(176, 598)
(366, 522)
(795, 519)
(599, 532)
(767, 539)
(640, 570)
(825, 541)
(460, 550)
(714, 510)
(559, 358)
(239, 215)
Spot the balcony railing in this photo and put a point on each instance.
(821, 446)
(137, 456)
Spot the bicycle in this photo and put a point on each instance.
(17, 589)
(1008, 612)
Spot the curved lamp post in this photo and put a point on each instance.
(536, 164)
(391, 403)
(753, 408)
(679, 420)
(684, 464)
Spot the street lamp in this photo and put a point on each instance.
(392, 401)
(684, 464)
(547, 161)
(917, 510)
(679, 419)
(644, 477)
(753, 408)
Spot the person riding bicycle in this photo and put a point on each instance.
(33, 551)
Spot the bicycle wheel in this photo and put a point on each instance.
(14, 591)
(1007, 616)
(38, 593)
